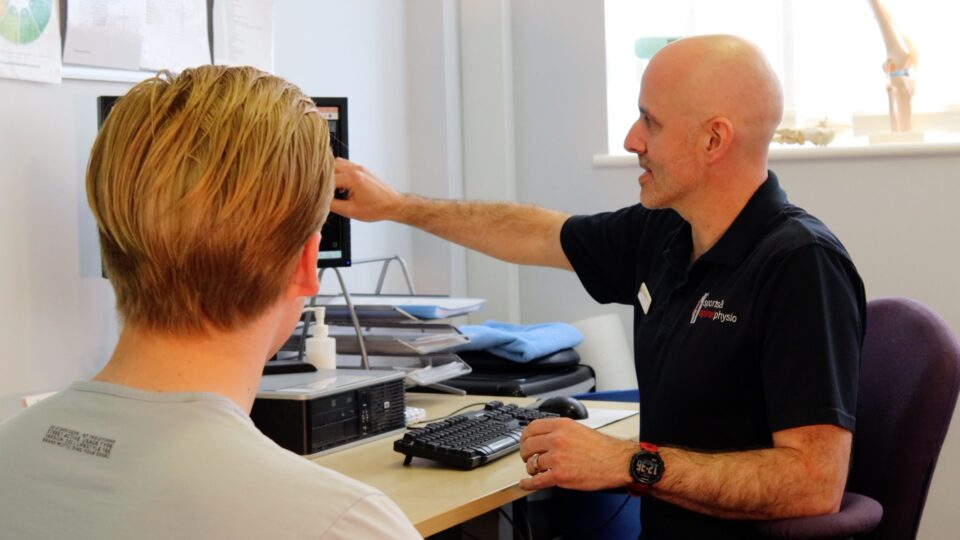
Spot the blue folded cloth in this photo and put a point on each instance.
(520, 343)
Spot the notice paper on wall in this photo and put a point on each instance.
(105, 33)
(30, 40)
(243, 33)
(137, 34)
(175, 35)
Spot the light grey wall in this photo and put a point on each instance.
(57, 321)
(895, 215)
(560, 110)
(436, 151)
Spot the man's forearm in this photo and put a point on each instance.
(803, 474)
(757, 484)
(513, 232)
(517, 233)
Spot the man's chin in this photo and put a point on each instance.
(649, 201)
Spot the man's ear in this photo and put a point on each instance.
(719, 138)
(304, 281)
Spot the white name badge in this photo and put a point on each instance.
(644, 297)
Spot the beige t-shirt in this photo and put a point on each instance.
(100, 460)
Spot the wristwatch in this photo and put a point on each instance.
(646, 469)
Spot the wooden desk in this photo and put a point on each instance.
(435, 497)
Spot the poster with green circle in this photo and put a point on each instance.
(22, 21)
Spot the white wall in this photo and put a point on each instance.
(436, 150)
(57, 321)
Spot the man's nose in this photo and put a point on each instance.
(634, 142)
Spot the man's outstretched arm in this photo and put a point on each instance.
(513, 232)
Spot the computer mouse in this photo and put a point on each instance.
(564, 406)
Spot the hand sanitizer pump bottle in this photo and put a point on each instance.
(321, 348)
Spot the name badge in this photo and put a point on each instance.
(644, 297)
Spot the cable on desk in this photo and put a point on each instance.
(609, 520)
(454, 413)
(523, 512)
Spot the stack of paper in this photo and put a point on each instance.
(420, 306)
(369, 314)
(398, 339)
(419, 370)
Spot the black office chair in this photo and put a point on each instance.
(909, 379)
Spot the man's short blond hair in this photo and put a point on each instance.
(205, 187)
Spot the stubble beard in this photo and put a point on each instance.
(664, 190)
(654, 192)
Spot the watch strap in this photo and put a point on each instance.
(649, 447)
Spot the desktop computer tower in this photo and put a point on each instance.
(315, 412)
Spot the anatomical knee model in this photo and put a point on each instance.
(901, 58)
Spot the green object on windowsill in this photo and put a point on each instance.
(646, 47)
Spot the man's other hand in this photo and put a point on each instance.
(573, 456)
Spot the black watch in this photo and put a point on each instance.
(646, 469)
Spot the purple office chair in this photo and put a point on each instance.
(909, 378)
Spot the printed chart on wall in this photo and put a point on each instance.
(30, 40)
(243, 33)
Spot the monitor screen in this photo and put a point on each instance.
(335, 235)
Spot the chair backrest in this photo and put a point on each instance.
(606, 349)
(909, 379)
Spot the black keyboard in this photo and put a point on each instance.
(471, 439)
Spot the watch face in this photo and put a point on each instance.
(646, 468)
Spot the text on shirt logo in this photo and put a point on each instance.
(85, 443)
(711, 310)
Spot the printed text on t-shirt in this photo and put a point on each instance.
(711, 310)
(84, 443)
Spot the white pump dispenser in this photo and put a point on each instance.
(321, 349)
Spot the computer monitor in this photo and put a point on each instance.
(335, 235)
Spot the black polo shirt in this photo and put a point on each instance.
(762, 333)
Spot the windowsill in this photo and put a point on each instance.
(779, 153)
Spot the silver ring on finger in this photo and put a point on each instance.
(536, 463)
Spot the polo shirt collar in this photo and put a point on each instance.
(741, 236)
(749, 225)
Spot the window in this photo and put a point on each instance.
(827, 53)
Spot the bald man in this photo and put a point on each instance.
(749, 314)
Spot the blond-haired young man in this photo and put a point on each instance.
(209, 189)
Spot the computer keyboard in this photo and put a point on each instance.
(471, 439)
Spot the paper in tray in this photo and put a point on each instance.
(435, 369)
(339, 314)
(418, 370)
(398, 339)
(421, 306)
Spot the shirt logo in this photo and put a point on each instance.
(85, 443)
(711, 310)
